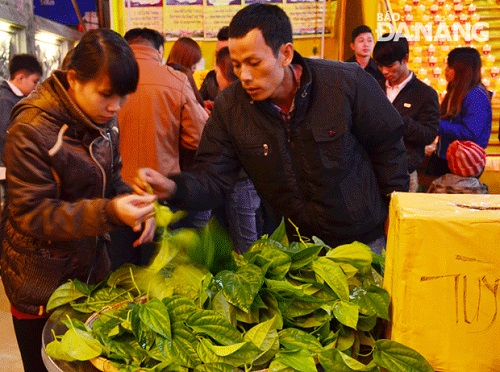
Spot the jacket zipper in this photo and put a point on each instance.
(104, 178)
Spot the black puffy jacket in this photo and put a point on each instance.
(62, 170)
(331, 176)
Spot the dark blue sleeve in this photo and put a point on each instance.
(474, 122)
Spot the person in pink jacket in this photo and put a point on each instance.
(160, 125)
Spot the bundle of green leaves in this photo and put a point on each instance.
(285, 306)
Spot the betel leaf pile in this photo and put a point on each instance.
(285, 306)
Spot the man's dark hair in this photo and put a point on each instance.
(223, 60)
(270, 19)
(136, 35)
(26, 62)
(362, 29)
(223, 34)
(390, 48)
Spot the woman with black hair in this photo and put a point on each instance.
(64, 192)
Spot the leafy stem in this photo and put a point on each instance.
(132, 278)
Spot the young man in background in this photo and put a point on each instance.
(25, 71)
(210, 88)
(362, 43)
(416, 102)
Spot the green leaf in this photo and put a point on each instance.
(64, 294)
(349, 270)
(345, 341)
(271, 310)
(295, 339)
(215, 249)
(179, 307)
(366, 323)
(305, 256)
(315, 319)
(299, 360)
(262, 334)
(234, 354)
(356, 254)
(144, 335)
(185, 344)
(247, 318)
(154, 314)
(241, 287)
(264, 243)
(222, 306)
(186, 279)
(279, 234)
(285, 288)
(333, 275)
(333, 360)
(126, 350)
(121, 275)
(55, 350)
(346, 313)
(76, 323)
(101, 298)
(214, 325)
(214, 367)
(168, 248)
(378, 263)
(207, 290)
(103, 327)
(80, 345)
(277, 366)
(372, 301)
(265, 336)
(87, 288)
(276, 262)
(164, 215)
(397, 357)
(159, 352)
(301, 307)
(318, 241)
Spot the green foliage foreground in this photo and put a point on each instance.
(285, 306)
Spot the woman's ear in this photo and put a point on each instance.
(71, 78)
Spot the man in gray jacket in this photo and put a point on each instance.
(318, 138)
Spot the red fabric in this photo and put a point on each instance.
(466, 158)
(19, 315)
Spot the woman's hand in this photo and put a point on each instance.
(148, 233)
(150, 181)
(133, 210)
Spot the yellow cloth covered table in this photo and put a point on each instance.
(443, 274)
(491, 174)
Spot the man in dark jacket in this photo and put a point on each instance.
(210, 88)
(416, 101)
(318, 138)
(362, 44)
